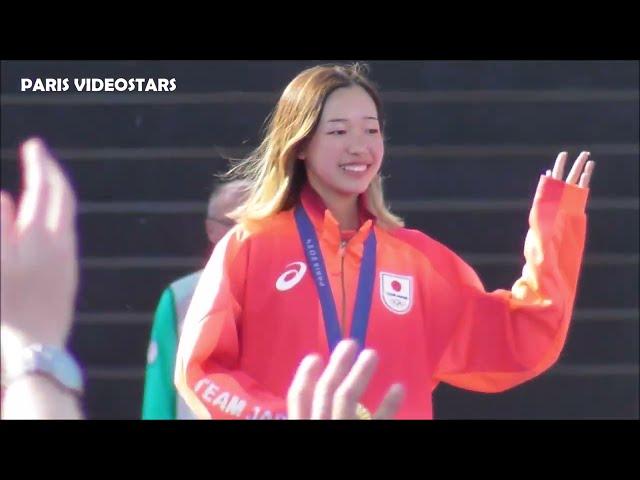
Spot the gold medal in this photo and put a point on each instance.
(362, 413)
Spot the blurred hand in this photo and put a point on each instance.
(334, 393)
(38, 254)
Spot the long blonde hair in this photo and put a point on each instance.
(274, 174)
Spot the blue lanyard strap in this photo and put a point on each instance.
(366, 279)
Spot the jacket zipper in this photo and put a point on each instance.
(343, 323)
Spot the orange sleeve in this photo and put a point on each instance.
(490, 342)
(207, 374)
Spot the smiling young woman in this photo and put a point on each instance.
(317, 258)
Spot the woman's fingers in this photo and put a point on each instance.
(578, 166)
(347, 395)
(339, 366)
(558, 167)
(300, 395)
(390, 403)
(585, 178)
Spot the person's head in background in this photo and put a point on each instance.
(224, 198)
(327, 129)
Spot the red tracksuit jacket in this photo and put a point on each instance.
(256, 313)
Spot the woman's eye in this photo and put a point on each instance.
(337, 132)
(372, 131)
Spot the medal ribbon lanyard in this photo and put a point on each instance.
(364, 294)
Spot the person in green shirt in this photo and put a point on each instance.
(160, 401)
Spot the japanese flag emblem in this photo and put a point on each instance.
(396, 292)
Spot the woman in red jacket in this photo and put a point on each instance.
(317, 257)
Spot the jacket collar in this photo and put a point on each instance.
(326, 224)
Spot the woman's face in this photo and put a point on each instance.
(345, 152)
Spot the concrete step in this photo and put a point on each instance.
(204, 76)
(424, 174)
(502, 232)
(118, 344)
(410, 123)
(550, 396)
(131, 288)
